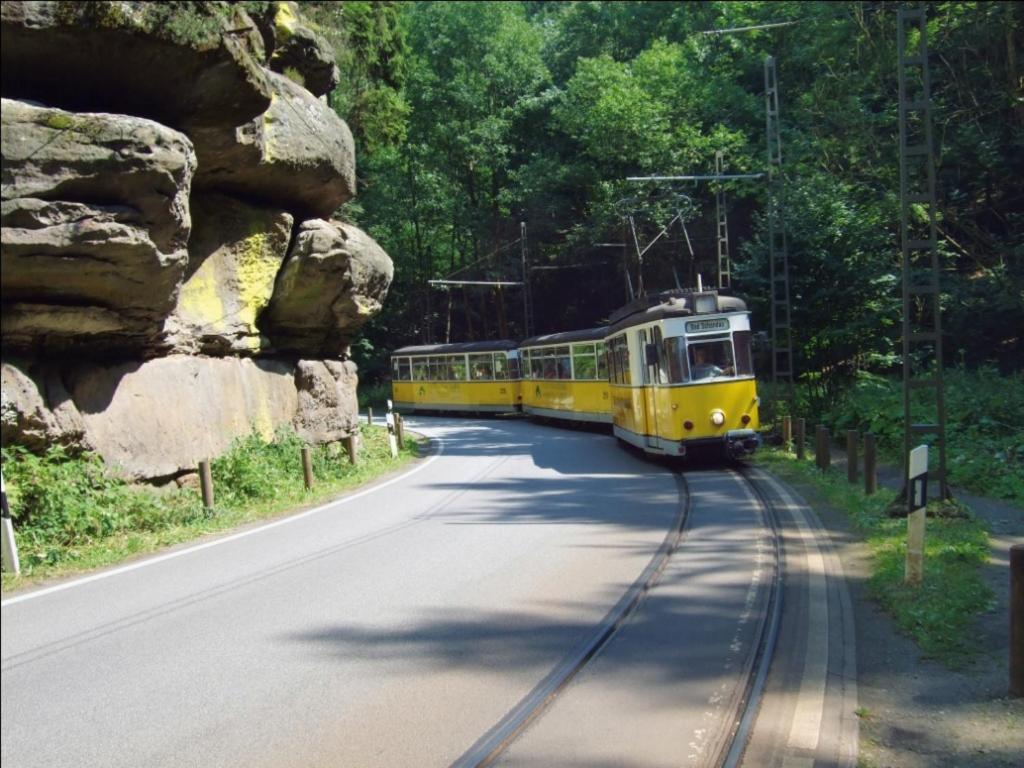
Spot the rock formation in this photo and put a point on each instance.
(171, 275)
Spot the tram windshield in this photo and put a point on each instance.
(705, 359)
(711, 359)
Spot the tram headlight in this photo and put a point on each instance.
(717, 418)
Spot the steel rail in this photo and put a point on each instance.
(740, 720)
(490, 746)
(764, 645)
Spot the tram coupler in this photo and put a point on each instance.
(741, 442)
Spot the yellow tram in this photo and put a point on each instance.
(681, 374)
(479, 376)
(565, 376)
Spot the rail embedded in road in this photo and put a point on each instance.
(726, 748)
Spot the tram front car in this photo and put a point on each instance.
(682, 376)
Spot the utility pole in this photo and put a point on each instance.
(922, 313)
(527, 299)
(778, 257)
(722, 237)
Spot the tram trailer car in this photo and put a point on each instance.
(681, 374)
(565, 376)
(473, 377)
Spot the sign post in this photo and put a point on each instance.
(392, 441)
(917, 500)
(10, 546)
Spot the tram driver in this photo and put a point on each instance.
(710, 359)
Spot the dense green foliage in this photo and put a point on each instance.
(984, 430)
(70, 512)
(497, 113)
(939, 613)
(984, 422)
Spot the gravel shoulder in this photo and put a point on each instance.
(916, 713)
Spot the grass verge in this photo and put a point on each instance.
(70, 515)
(939, 612)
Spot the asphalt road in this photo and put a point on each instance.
(392, 628)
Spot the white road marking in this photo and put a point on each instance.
(225, 539)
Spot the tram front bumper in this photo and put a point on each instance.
(736, 442)
(739, 442)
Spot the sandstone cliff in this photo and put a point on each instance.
(171, 275)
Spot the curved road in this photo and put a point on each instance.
(398, 625)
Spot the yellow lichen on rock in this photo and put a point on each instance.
(285, 21)
(255, 271)
(199, 300)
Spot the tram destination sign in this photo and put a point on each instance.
(704, 326)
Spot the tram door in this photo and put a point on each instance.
(650, 376)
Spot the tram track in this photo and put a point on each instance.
(740, 714)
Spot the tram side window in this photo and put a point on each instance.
(513, 368)
(550, 367)
(420, 369)
(711, 359)
(662, 369)
(584, 364)
(457, 367)
(481, 367)
(435, 369)
(536, 365)
(674, 354)
(400, 369)
(602, 361)
(744, 359)
(618, 356)
(627, 377)
(563, 362)
(500, 366)
(444, 372)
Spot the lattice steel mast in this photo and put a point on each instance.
(922, 315)
(722, 237)
(782, 336)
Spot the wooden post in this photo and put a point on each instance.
(822, 450)
(914, 570)
(350, 446)
(369, 417)
(206, 483)
(870, 465)
(787, 432)
(799, 437)
(1017, 620)
(399, 430)
(307, 467)
(852, 438)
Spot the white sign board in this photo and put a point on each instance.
(917, 499)
(917, 477)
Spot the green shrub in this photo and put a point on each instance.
(984, 423)
(254, 468)
(59, 501)
(70, 511)
(940, 612)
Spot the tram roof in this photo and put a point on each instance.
(565, 337)
(498, 345)
(675, 303)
